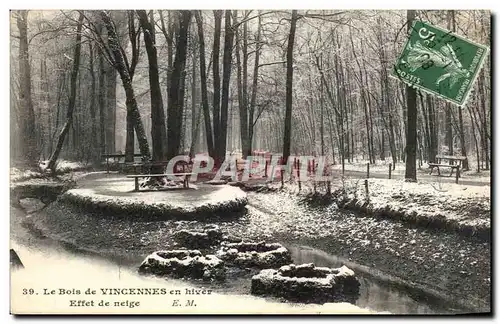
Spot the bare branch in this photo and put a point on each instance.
(272, 63)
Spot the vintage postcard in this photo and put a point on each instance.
(250, 161)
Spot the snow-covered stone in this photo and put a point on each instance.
(198, 240)
(307, 283)
(184, 264)
(251, 254)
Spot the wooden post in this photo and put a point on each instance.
(367, 170)
(366, 189)
(282, 180)
(390, 170)
(329, 187)
(298, 174)
(136, 183)
(457, 175)
(265, 171)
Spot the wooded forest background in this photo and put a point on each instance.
(166, 82)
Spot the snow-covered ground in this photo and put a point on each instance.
(62, 166)
(452, 206)
(461, 207)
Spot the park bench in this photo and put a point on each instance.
(454, 163)
(185, 178)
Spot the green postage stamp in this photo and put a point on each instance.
(440, 62)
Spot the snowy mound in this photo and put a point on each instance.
(307, 283)
(115, 195)
(184, 264)
(453, 207)
(259, 255)
(198, 240)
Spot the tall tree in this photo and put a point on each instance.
(116, 54)
(176, 93)
(158, 130)
(101, 97)
(110, 108)
(72, 96)
(203, 80)
(216, 83)
(226, 77)
(255, 77)
(195, 113)
(27, 114)
(289, 87)
(245, 143)
(135, 41)
(411, 135)
(94, 144)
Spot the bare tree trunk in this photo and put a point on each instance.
(176, 94)
(101, 101)
(168, 32)
(241, 101)
(255, 78)
(94, 146)
(226, 76)
(411, 136)
(483, 131)
(131, 101)
(322, 121)
(340, 114)
(27, 115)
(249, 122)
(289, 88)
(427, 133)
(475, 139)
(195, 115)
(216, 84)
(158, 131)
(47, 104)
(72, 96)
(433, 140)
(203, 79)
(134, 37)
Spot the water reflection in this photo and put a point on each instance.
(374, 295)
